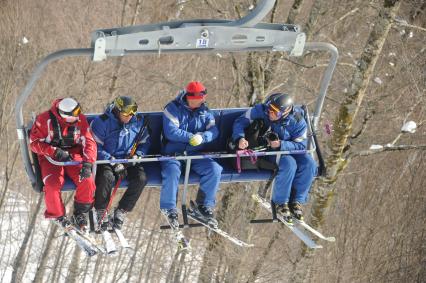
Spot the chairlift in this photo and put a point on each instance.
(188, 36)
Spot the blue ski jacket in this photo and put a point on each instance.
(180, 123)
(291, 130)
(115, 139)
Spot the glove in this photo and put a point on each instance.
(86, 171)
(120, 170)
(243, 143)
(195, 140)
(62, 155)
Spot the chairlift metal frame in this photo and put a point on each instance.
(187, 36)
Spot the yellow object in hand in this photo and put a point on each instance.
(196, 140)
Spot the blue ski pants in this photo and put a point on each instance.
(209, 172)
(294, 179)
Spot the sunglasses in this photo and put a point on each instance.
(197, 95)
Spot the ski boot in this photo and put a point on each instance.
(118, 218)
(63, 221)
(205, 214)
(102, 219)
(296, 210)
(80, 221)
(284, 211)
(172, 217)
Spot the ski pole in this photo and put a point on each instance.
(111, 199)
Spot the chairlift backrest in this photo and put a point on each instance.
(224, 121)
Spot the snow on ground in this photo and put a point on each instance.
(13, 224)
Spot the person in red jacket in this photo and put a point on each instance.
(63, 134)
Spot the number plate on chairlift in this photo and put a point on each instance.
(202, 43)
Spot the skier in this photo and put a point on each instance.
(116, 132)
(63, 134)
(188, 125)
(288, 131)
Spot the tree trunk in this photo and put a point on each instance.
(74, 267)
(343, 123)
(45, 256)
(17, 264)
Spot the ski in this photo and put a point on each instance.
(313, 231)
(182, 242)
(234, 240)
(302, 236)
(123, 241)
(91, 240)
(81, 242)
(109, 243)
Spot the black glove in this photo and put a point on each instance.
(272, 136)
(120, 170)
(62, 155)
(86, 170)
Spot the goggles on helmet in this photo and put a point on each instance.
(128, 110)
(197, 95)
(71, 116)
(125, 105)
(280, 114)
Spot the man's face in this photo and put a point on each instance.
(125, 118)
(273, 115)
(196, 103)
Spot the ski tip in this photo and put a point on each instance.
(112, 253)
(91, 253)
(330, 239)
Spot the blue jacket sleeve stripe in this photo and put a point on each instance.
(172, 118)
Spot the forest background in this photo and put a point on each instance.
(372, 201)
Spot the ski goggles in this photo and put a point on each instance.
(128, 110)
(277, 111)
(73, 113)
(197, 95)
(71, 116)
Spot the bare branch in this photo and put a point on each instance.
(351, 12)
(403, 23)
(386, 148)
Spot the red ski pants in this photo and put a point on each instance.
(54, 178)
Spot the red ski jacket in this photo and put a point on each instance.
(42, 134)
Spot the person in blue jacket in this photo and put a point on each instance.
(115, 133)
(188, 125)
(296, 171)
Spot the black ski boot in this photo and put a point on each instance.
(172, 217)
(284, 211)
(80, 221)
(102, 219)
(118, 218)
(205, 214)
(296, 210)
(63, 221)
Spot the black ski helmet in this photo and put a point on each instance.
(280, 103)
(125, 105)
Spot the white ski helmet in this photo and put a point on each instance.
(69, 109)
